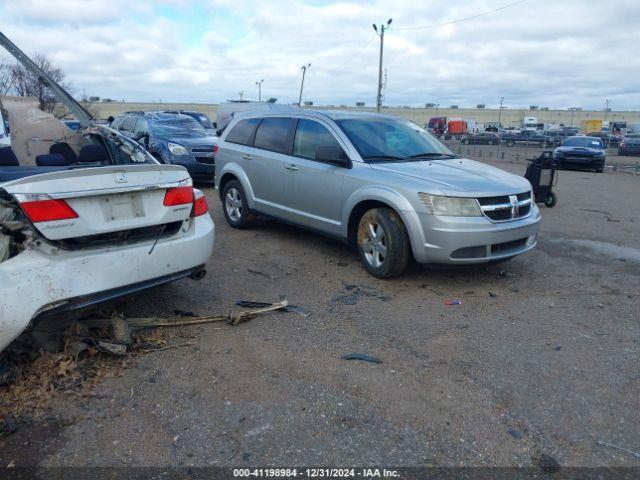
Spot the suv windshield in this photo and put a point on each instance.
(388, 139)
(182, 126)
(590, 142)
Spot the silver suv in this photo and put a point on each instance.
(377, 181)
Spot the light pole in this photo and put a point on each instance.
(437, 105)
(381, 35)
(259, 84)
(573, 109)
(304, 71)
(499, 124)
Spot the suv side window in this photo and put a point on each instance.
(128, 123)
(309, 136)
(142, 126)
(273, 134)
(242, 132)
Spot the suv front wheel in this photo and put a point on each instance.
(383, 243)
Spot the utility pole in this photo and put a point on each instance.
(437, 105)
(500, 112)
(259, 84)
(499, 126)
(606, 109)
(381, 35)
(304, 71)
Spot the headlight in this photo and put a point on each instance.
(450, 206)
(177, 149)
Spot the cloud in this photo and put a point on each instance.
(555, 54)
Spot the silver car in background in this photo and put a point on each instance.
(377, 181)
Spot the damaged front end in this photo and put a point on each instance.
(15, 232)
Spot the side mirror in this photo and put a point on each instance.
(333, 155)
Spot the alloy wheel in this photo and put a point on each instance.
(233, 204)
(375, 245)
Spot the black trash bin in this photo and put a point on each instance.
(541, 172)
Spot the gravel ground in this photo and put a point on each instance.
(548, 364)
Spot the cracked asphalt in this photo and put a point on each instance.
(547, 365)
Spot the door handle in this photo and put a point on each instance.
(291, 166)
(247, 156)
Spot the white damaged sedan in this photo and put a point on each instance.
(95, 218)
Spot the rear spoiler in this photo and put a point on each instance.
(61, 94)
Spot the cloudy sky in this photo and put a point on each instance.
(538, 52)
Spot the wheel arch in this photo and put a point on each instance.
(234, 172)
(380, 197)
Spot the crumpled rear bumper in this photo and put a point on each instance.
(37, 281)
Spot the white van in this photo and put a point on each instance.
(228, 109)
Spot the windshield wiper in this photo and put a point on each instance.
(384, 158)
(434, 155)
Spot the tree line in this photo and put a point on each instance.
(15, 79)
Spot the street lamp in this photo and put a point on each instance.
(259, 84)
(500, 112)
(304, 71)
(381, 35)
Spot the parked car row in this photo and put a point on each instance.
(172, 138)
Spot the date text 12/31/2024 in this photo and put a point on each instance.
(315, 473)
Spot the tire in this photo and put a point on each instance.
(235, 206)
(551, 200)
(510, 143)
(383, 243)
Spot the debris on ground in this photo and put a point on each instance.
(622, 449)
(94, 348)
(361, 356)
(258, 272)
(289, 308)
(356, 292)
(505, 273)
(493, 295)
(453, 302)
(184, 313)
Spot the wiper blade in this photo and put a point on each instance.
(434, 154)
(384, 157)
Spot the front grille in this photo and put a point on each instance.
(203, 149)
(207, 160)
(506, 207)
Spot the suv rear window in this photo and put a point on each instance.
(273, 134)
(242, 132)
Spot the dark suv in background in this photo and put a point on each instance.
(202, 118)
(172, 138)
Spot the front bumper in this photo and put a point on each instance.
(201, 171)
(579, 163)
(37, 282)
(468, 240)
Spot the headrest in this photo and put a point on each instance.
(93, 153)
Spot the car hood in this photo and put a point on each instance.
(192, 141)
(457, 177)
(579, 150)
(60, 93)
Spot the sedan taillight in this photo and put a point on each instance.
(200, 206)
(178, 196)
(43, 208)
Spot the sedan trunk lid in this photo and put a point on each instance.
(98, 200)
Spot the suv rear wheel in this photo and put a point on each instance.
(383, 243)
(236, 209)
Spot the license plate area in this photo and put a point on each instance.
(123, 206)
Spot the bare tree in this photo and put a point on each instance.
(5, 77)
(26, 84)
